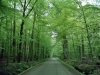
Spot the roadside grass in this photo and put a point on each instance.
(33, 67)
(70, 68)
(19, 68)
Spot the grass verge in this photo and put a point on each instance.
(33, 67)
(70, 68)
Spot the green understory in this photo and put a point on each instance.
(86, 67)
(18, 68)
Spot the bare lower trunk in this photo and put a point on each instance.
(65, 47)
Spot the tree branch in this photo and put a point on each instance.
(28, 3)
(31, 8)
(25, 6)
(21, 3)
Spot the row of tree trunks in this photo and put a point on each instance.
(24, 6)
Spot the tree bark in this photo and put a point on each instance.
(14, 34)
(82, 50)
(32, 39)
(65, 47)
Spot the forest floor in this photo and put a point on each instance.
(50, 67)
(17, 68)
(86, 67)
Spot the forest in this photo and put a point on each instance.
(32, 31)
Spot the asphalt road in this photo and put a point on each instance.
(51, 67)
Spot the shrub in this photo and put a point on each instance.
(86, 68)
(96, 72)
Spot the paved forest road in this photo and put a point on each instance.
(51, 67)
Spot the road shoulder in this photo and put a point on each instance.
(70, 68)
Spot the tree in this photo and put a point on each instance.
(25, 8)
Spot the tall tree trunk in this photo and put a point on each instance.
(73, 44)
(32, 39)
(65, 47)
(87, 31)
(1, 50)
(21, 32)
(20, 45)
(25, 6)
(25, 48)
(14, 34)
(7, 41)
(82, 52)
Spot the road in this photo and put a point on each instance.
(51, 67)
